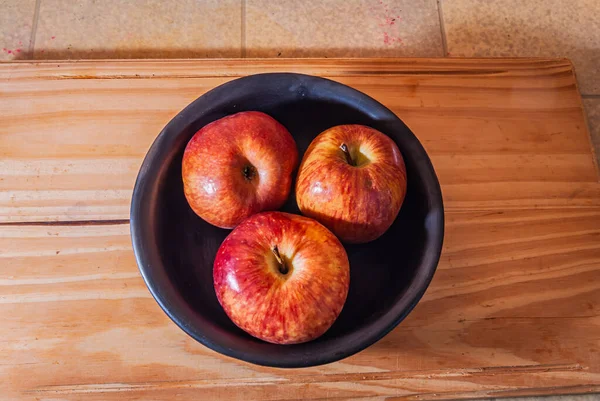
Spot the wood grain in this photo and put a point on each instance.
(514, 305)
(514, 308)
(501, 134)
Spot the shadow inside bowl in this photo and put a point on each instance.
(380, 271)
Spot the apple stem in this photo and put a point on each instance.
(282, 267)
(346, 151)
(249, 172)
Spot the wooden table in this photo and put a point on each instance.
(514, 307)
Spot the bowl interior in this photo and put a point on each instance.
(176, 249)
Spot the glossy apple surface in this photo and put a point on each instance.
(352, 179)
(237, 166)
(282, 278)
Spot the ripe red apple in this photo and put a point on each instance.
(281, 277)
(237, 166)
(352, 179)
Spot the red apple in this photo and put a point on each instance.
(238, 166)
(281, 277)
(352, 179)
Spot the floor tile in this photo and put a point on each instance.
(592, 107)
(342, 28)
(138, 29)
(16, 20)
(501, 28)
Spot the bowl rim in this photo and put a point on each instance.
(180, 314)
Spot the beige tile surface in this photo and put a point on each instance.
(16, 19)
(499, 28)
(138, 29)
(342, 28)
(592, 107)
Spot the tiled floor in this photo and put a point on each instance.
(57, 29)
(338, 28)
(16, 27)
(138, 29)
(556, 28)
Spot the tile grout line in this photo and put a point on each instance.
(34, 25)
(243, 39)
(442, 28)
(590, 96)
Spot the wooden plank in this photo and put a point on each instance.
(140, 69)
(513, 309)
(501, 133)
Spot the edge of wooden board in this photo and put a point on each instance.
(192, 68)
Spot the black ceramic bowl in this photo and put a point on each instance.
(175, 249)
